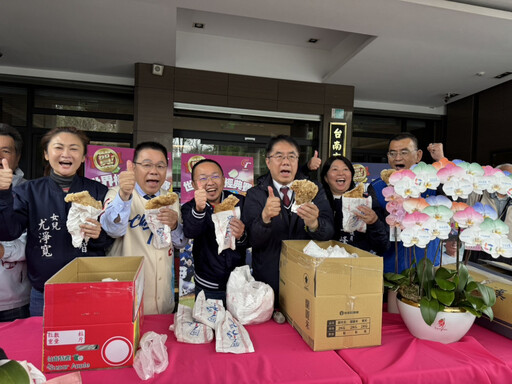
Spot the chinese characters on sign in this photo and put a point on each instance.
(337, 139)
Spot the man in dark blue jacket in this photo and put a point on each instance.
(403, 153)
(268, 217)
(212, 269)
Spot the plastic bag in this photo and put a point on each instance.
(232, 337)
(152, 355)
(161, 232)
(249, 301)
(77, 215)
(351, 222)
(189, 331)
(225, 239)
(208, 311)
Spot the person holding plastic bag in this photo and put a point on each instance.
(268, 217)
(126, 220)
(212, 268)
(38, 207)
(337, 177)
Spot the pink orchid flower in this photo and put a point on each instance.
(417, 230)
(468, 217)
(449, 172)
(399, 175)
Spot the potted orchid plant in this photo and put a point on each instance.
(435, 291)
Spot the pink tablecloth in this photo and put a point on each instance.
(480, 357)
(281, 357)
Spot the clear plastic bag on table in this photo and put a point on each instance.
(151, 358)
(248, 300)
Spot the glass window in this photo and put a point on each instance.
(86, 101)
(13, 106)
(376, 124)
(83, 123)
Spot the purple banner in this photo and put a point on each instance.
(104, 164)
(238, 172)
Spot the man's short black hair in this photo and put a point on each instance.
(403, 136)
(150, 145)
(7, 130)
(276, 139)
(206, 161)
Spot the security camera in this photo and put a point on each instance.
(158, 69)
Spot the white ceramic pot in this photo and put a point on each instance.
(392, 302)
(448, 327)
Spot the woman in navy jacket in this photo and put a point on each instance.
(38, 207)
(337, 177)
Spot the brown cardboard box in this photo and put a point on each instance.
(502, 284)
(334, 303)
(89, 323)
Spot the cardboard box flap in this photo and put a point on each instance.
(329, 276)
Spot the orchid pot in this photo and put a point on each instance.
(449, 325)
(439, 293)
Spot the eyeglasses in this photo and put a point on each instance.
(204, 179)
(279, 157)
(402, 153)
(160, 167)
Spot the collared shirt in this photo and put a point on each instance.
(281, 194)
(115, 219)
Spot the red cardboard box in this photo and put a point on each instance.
(89, 323)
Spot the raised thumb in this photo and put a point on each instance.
(129, 166)
(5, 164)
(270, 191)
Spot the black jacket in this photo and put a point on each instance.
(212, 270)
(266, 239)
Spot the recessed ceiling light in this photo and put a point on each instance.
(199, 25)
(312, 41)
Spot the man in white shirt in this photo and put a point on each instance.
(124, 220)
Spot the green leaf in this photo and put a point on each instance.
(463, 278)
(444, 297)
(488, 294)
(429, 309)
(13, 372)
(447, 285)
(489, 312)
(443, 273)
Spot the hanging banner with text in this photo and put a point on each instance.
(238, 173)
(337, 139)
(104, 164)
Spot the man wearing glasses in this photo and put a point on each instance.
(268, 217)
(125, 221)
(403, 153)
(212, 269)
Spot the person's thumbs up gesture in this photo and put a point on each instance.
(272, 206)
(200, 199)
(5, 175)
(315, 162)
(127, 182)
